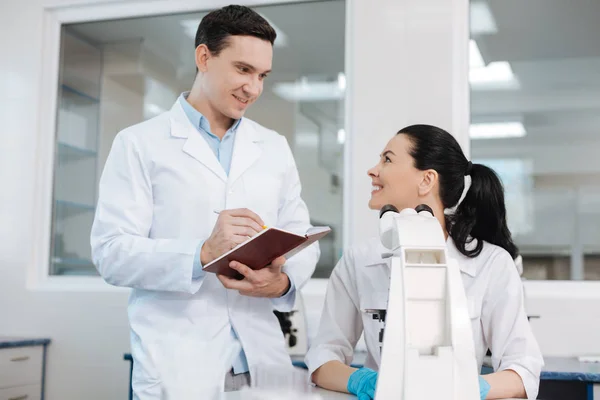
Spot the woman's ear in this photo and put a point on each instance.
(202, 54)
(428, 182)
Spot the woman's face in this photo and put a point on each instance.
(395, 179)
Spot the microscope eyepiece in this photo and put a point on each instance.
(423, 207)
(386, 208)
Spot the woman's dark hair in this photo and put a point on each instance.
(216, 27)
(482, 213)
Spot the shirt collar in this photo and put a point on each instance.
(197, 119)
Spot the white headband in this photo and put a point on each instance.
(452, 210)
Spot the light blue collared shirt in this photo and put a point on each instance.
(223, 148)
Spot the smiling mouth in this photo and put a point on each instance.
(376, 189)
(243, 101)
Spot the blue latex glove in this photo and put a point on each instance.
(484, 387)
(362, 383)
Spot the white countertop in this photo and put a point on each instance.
(324, 395)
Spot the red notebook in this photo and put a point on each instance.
(263, 248)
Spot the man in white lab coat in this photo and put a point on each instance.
(181, 189)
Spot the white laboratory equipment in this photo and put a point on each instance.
(427, 345)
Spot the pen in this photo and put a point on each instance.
(219, 212)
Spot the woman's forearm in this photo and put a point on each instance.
(505, 384)
(333, 375)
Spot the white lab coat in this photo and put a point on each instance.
(360, 281)
(158, 194)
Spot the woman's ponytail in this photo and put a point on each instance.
(481, 214)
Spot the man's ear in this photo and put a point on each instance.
(202, 56)
(428, 182)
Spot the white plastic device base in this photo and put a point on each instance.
(428, 350)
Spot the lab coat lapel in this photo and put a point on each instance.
(195, 145)
(246, 150)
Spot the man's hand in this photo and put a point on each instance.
(267, 282)
(232, 228)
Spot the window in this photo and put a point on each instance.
(76, 160)
(535, 119)
(117, 73)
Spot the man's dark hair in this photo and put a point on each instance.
(216, 27)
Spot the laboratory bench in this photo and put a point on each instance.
(324, 395)
(22, 368)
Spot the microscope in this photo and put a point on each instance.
(427, 349)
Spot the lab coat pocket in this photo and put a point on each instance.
(370, 305)
(373, 301)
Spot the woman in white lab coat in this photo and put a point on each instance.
(423, 164)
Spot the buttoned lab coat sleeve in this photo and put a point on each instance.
(121, 249)
(293, 216)
(506, 328)
(341, 320)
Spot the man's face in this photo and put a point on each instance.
(234, 79)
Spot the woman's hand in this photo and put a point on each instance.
(484, 388)
(504, 384)
(362, 383)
